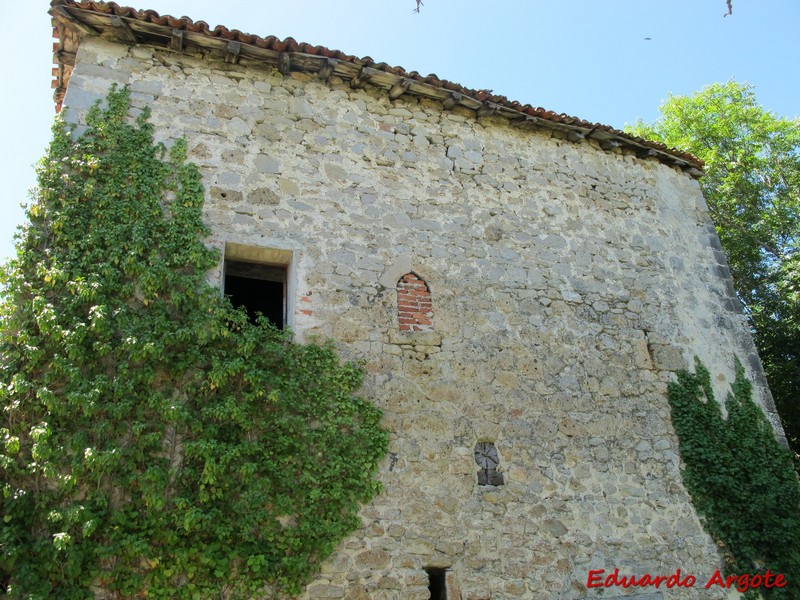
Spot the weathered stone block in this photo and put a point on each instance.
(415, 338)
(668, 358)
(267, 164)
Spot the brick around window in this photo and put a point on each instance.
(414, 307)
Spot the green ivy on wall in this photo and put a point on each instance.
(741, 479)
(153, 442)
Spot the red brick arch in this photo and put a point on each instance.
(414, 307)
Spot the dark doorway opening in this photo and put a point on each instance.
(260, 289)
(437, 582)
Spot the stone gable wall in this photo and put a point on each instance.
(566, 284)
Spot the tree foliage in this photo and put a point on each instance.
(752, 185)
(151, 437)
(741, 480)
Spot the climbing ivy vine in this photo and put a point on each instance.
(153, 442)
(741, 479)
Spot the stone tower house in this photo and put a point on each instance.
(522, 286)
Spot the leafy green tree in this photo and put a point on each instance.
(752, 185)
(153, 441)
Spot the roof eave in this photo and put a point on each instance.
(73, 20)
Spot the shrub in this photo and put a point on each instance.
(154, 441)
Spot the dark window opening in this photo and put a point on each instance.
(437, 582)
(488, 460)
(260, 289)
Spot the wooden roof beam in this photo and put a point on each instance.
(525, 121)
(361, 78)
(63, 57)
(232, 51)
(450, 102)
(487, 109)
(576, 136)
(693, 171)
(399, 88)
(123, 29)
(176, 40)
(609, 144)
(285, 63)
(326, 70)
(61, 13)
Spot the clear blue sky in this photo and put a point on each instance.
(586, 58)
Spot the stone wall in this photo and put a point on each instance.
(566, 284)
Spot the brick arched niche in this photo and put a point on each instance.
(414, 306)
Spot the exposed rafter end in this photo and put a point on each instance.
(576, 136)
(63, 13)
(326, 70)
(361, 78)
(58, 97)
(400, 88)
(525, 121)
(451, 101)
(176, 41)
(649, 153)
(63, 57)
(694, 172)
(123, 29)
(487, 109)
(609, 144)
(232, 51)
(678, 163)
(285, 63)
